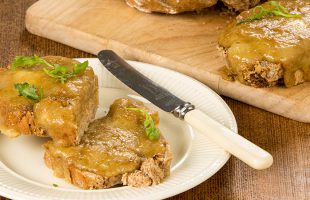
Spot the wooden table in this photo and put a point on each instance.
(288, 141)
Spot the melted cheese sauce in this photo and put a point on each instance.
(273, 39)
(115, 144)
(54, 113)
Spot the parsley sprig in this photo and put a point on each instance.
(151, 131)
(56, 71)
(30, 92)
(20, 61)
(62, 73)
(275, 10)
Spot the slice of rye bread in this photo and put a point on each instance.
(65, 111)
(115, 150)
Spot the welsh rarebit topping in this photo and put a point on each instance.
(270, 44)
(115, 150)
(34, 103)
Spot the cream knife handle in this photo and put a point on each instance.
(238, 146)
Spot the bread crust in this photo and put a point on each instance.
(152, 171)
(63, 114)
(115, 150)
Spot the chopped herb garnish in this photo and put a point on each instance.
(151, 131)
(55, 185)
(61, 72)
(79, 68)
(30, 92)
(276, 10)
(20, 61)
(56, 71)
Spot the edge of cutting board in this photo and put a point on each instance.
(293, 103)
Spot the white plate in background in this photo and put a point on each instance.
(23, 174)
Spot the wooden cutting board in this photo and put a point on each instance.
(186, 43)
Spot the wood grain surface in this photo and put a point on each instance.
(287, 140)
(186, 43)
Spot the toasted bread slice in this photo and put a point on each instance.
(65, 111)
(272, 50)
(114, 150)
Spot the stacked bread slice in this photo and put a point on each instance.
(58, 113)
(115, 150)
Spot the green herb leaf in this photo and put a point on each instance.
(61, 72)
(55, 185)
(151, 131)
(79, 68)
(276, 10)
(30, 92)
(20, 61)
(56, 71)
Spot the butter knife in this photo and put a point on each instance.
(235, 144)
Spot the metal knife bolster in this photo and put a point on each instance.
(181, 110)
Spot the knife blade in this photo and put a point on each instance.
(138, 82)
(238, 146)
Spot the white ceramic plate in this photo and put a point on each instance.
(23, 174)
